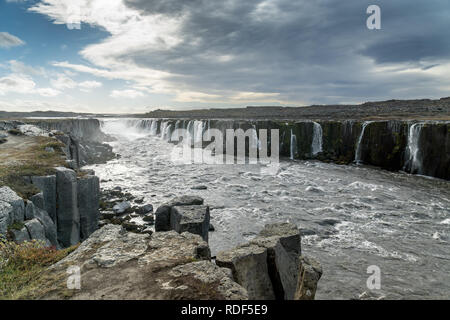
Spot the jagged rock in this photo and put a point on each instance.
(211, 228)
(193, 219)
(282, 267)
(88, 204)
(38, 201)
(36, 230)
(309, 275)
(47, 184)
(6, 213)
(288, 234)
(145, 209)
(162, 222)
(21, 235)
(249, 266)
(289, 276)
(43, 217)
(9, 196)
(121, 265)
(121, 207)
(206, 272)
(68, 225)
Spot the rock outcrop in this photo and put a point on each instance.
(193, 219)
(163, 213)
(271, 266)
(115, 264)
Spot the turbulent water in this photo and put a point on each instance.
(351, 217)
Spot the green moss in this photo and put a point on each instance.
(16, 226)
(23, 267)
(34, 161)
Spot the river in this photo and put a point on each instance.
(351, 216)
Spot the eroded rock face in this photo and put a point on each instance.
(88, 204)
(309, 275)
(270, 266)
(249, 266)
(47, 184)
(42, 216)
(68, 216)
(18, 207)
(116, 264)
(6, 212)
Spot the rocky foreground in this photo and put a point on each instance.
(46, 196)
(116, 264)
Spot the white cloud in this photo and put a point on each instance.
(19, 67)
(48, 92)
(23, 84)
(7, 40)
(87, 85)
(128, 93)
(63, 82)
(16, 83)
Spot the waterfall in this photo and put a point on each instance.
(154, 127)
(316, 146)
(198, 131)
(358, 152)
(163, 129)
(293, 145)
(414, 162)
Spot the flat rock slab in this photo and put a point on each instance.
(193, 219)
(115, 264)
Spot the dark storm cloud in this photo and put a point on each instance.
(316, 51)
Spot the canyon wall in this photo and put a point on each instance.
(417, 147)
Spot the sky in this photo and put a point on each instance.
(121, 56)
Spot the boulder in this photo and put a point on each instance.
(18, 207)
(121, 207)
(6, 213)
(43, 217)
(36, 230)
(21, 235)
(309, 275)
(145, 209)
(47, 184)
(68, 216)
(248, 264)
(88, 204)
(162, 222)
(193, 219)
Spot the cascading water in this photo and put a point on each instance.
(198, 131)
(163, 129)
(294, 148)
(358, 153)
(414, 162)
(316, 146)
(154, 127)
